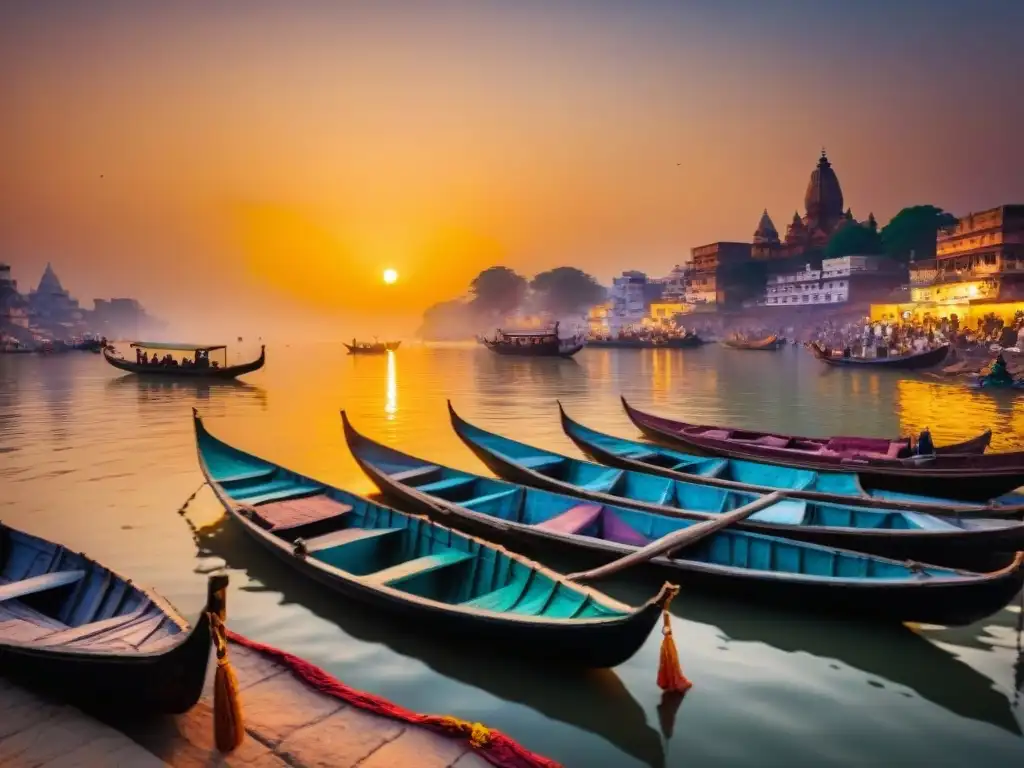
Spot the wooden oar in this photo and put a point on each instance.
(678, 539)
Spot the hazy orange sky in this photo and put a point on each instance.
(256, 162)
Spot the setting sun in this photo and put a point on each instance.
(390, 276)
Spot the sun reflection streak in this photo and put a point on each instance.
(391, 394)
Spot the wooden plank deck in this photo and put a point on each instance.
(288, 725)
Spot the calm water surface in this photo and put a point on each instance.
(103, 462)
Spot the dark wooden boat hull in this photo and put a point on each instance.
(941, 603)
(533, 350)
(977, 549)
(228, 372)
(917, 361)
(168, 683)
(967, 477)
(573, 644)
(119, 683)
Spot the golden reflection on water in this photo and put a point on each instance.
(951, 411)
(391, 398)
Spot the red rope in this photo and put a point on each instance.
(494, 746)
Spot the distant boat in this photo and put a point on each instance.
(767, 344)
(913, 361)
(534, 343)
(686, 341)
(376, 348)
(202, 367)
(74, 629)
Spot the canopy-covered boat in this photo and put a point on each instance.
(742, 475)
(748, 565)
(202, 367)
(544, 342)
(767, 344)
(912, 361)
(440, 580)
(889, 532)
(888, 465)
(79, 631)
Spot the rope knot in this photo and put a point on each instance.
(479, 734)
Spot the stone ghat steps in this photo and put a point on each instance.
(288, 725)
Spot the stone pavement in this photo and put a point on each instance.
(288, 724)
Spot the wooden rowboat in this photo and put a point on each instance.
(437, 579)
(79, 631)
(767, 344)
(745, 564)
(887, 532)
(914, 361)
(376, 348)
(752, 476)
(185, 372)
(954, 476)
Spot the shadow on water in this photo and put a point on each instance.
(594, 701)
(153, 389)
(894, 654)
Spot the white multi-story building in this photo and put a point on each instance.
(835, 283)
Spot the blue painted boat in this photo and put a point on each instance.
(80, 632)
(439, 580)
(888, 532)
(739, 562)
(757, 477)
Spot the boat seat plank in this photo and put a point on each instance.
(411, 474)
(41, 583)
(295, 491)
(419, 566)
(445, 485)
(94, 628)
(480, 500)
(256, 473)
(282, 515)
(572, 520)
(785, 512)
(22, 631)
(539, 462)
(500, 600)
(638, 454)
(346, 536)
(13, 609)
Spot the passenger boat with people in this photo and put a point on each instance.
(742, 475)
(74, 629)
(534, 343)
(911, 361)
(891, 466)
(742, 563)
(202, 367)
(766, 344)
(687, 340)
(889, 532)
(440, 580)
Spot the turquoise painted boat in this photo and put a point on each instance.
(757, 477)
(742, 563)
(892, 533)
(438, 580)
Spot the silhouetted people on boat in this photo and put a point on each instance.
(925, 446)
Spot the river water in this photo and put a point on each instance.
(102, 462)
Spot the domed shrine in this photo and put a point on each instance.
(823, 217)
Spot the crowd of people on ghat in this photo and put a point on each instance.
(167, 361)
(919, 335)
